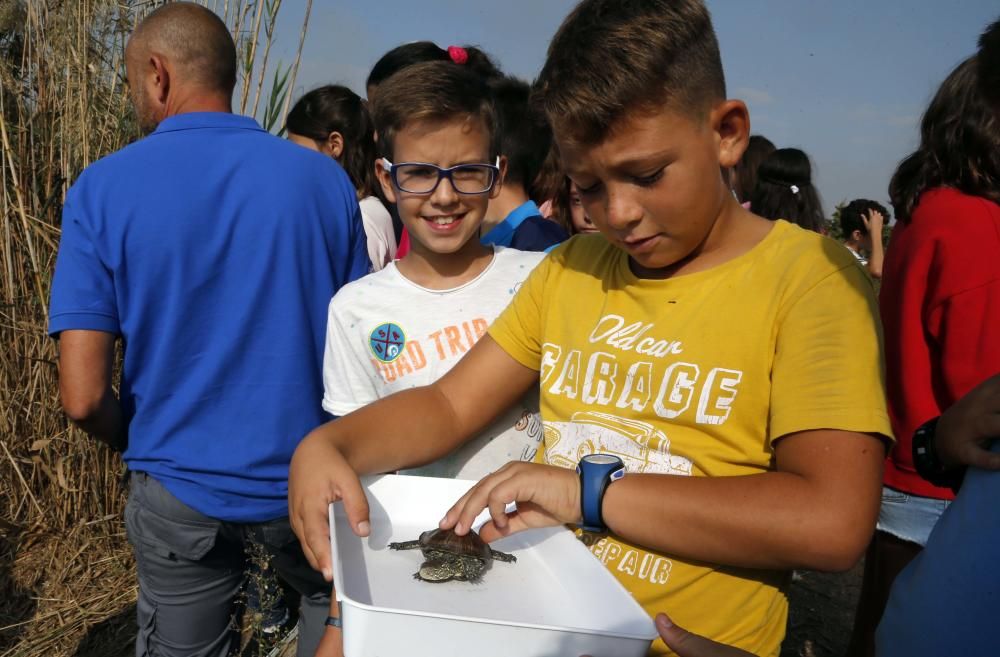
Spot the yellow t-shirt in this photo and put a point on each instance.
(698, 375)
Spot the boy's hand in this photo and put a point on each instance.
(331, 644)
(318, 475)
(873, 222)
(686, 644)
(965, 430)
(546, 495)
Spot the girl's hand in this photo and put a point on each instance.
(545, 495)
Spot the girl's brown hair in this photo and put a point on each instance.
(333, 108)
(959, 144)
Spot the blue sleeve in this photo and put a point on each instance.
(538, 234)
(83, 287)
(360, 262)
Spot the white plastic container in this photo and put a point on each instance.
(556, 600)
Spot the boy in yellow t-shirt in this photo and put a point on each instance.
(696, 344)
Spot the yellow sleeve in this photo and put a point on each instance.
(518, 329)
(828, 370)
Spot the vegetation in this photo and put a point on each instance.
(66, 577)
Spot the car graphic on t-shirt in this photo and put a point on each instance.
(641, 446)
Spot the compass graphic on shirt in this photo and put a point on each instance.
(387, 342)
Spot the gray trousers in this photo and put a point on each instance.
(191, 568)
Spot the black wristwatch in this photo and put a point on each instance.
(928, 463)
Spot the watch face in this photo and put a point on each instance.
(601, 459)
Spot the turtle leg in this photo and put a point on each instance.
(503, 556)
(405, 545)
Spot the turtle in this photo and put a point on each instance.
(449, 556)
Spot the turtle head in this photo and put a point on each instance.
(442, 570)
(439, 571)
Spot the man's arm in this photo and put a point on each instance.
(86, 359)
(407, 429)
(816, 511)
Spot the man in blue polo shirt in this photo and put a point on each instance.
(512, 218)
(212, 249)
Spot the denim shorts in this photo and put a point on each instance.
(909, 517)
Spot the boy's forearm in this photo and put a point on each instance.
(420, 425)
(407, 429)
(756, 521)
(778, 520)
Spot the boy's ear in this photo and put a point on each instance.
(335, 144)
(500, 177)
(731, 122)
(385, 179)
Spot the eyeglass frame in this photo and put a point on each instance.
(442, 173)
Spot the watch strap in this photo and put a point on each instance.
(594, 481)
(926, 461)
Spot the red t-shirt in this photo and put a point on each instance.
(940, 304)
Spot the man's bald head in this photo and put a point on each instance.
(194, 39)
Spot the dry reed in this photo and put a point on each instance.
(66, 576)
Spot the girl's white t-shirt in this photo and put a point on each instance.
(378, 229)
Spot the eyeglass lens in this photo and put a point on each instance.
(423, 178)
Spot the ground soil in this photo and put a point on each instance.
(821, 613)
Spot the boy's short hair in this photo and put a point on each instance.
(611, 58)
(522, 132)
(432, 92)
(851, 216)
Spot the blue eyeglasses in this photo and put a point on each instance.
(422, 178)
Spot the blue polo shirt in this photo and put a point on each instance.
(213, 249)
(526, 229)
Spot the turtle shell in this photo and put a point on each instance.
(447, 541)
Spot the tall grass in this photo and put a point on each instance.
(65, 569)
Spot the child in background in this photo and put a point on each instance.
(940, 303)
(745, 172)
(548, 185)
(578, 213)
(861, 223)
(334, 121)
(409, 324)
(748, 453)
(419, 52)
(568, 209)
(784, 190)
(513, 219)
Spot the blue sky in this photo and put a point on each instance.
(844, 80)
